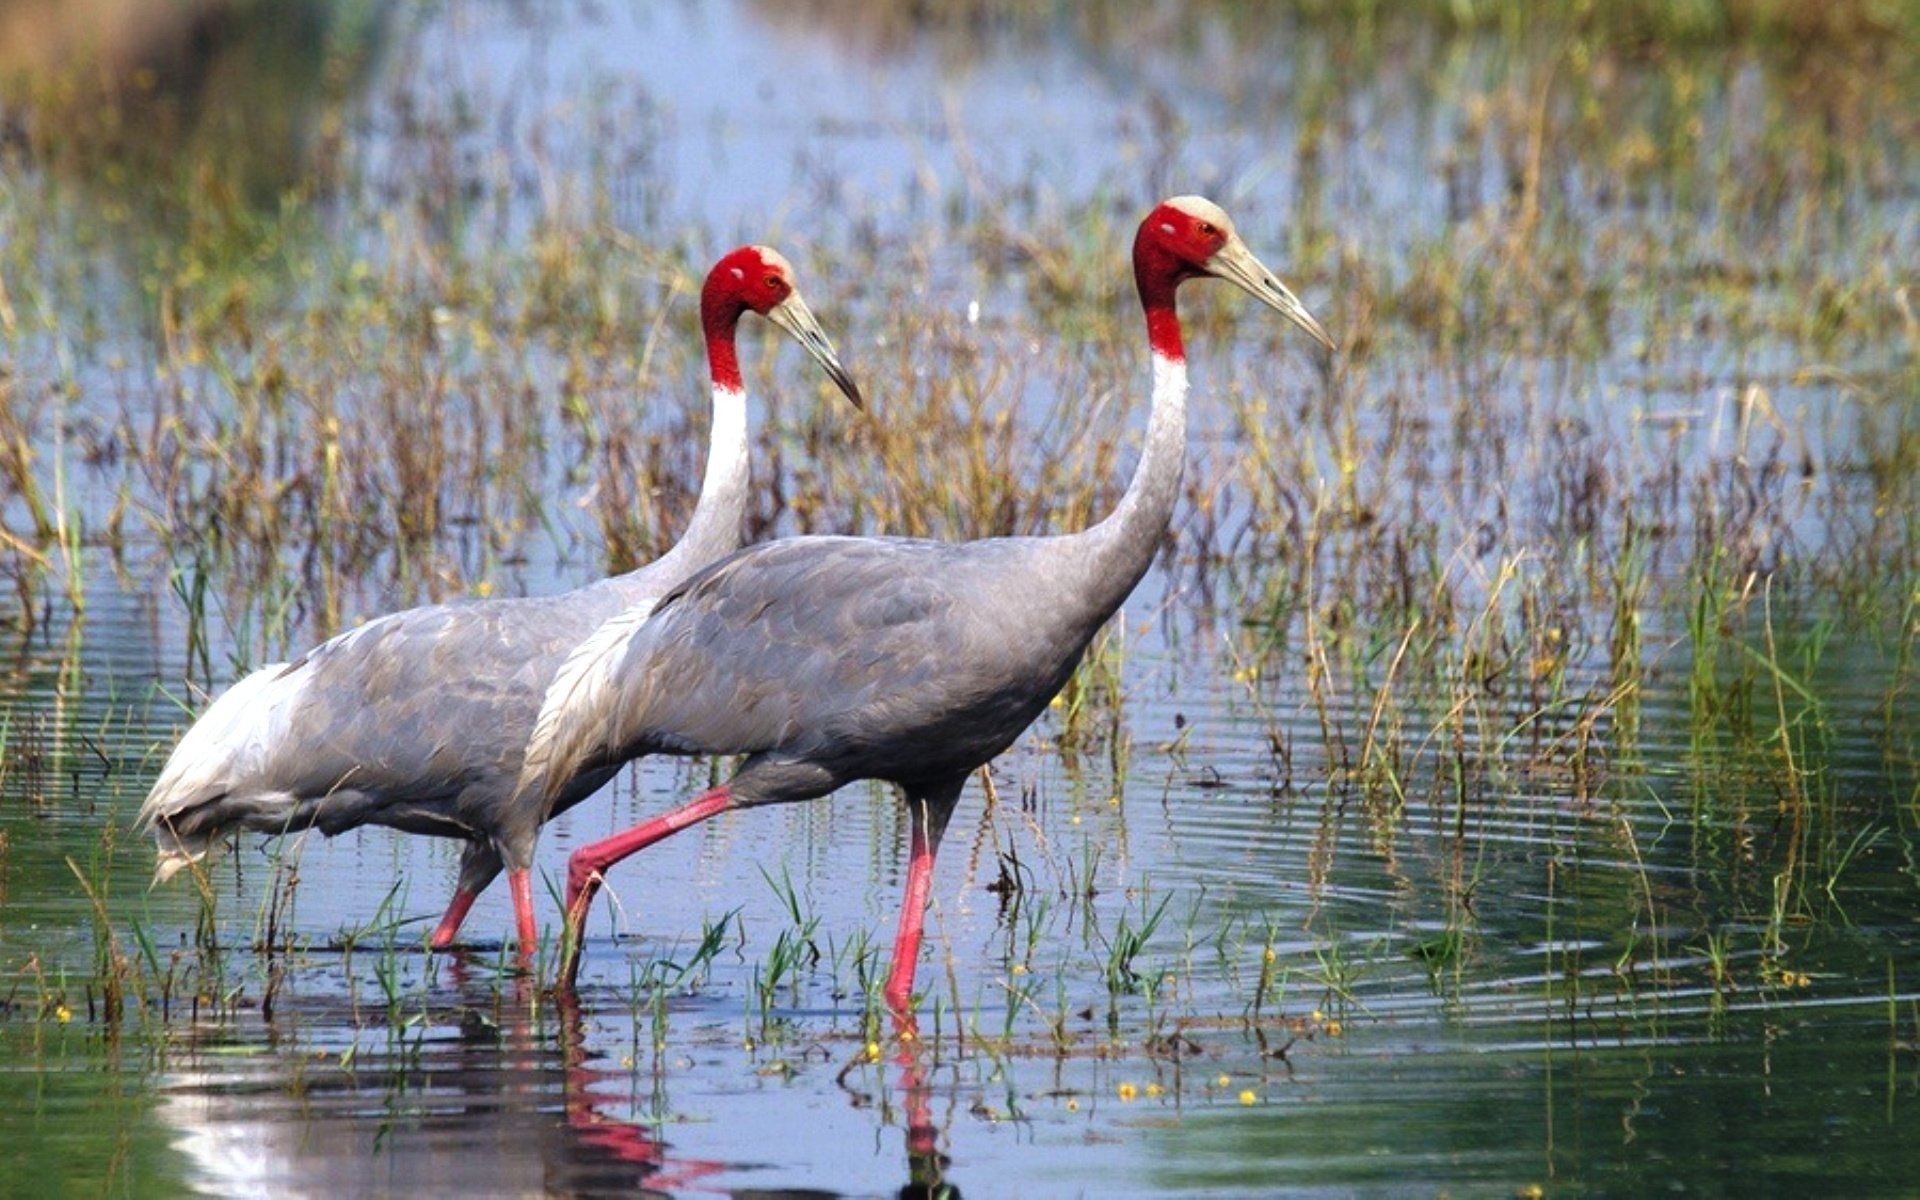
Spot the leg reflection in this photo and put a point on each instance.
(926, 1164)
(620, 1139)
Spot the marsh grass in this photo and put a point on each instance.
(1634, 398)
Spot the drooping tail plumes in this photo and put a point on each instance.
(184, 810)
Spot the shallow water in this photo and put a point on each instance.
(1517, 965)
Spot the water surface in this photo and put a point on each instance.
(1577, 927)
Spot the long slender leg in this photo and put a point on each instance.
(913, 911)
(520, 881)
(588, 866)
(930, 812)
(457, 909)
(479, 865)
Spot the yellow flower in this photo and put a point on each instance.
(1318, 1016)
(1073, 1105)
(63, 1014)
(1270, 955)
(1128, 1091)
(1333, 1029)
(1249, 1096)
(1154, 1089)
(1019, 968)
(1225, 1079)
(873, 1051)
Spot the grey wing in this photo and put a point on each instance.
(889, 658)
(860, 657)
(801, 637)
(415, 705)
(410, 720)
(576, 707)
(697, 673)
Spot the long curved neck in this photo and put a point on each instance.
(1118, 550)
(721, 511)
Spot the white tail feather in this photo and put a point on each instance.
(172, 862)
(234, 728)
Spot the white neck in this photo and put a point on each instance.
(1120, 549)
(721, 510)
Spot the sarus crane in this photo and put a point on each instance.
(417, 720)
(825, 660)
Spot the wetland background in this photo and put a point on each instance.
(1505, 784)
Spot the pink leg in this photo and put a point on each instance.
(457, 910)
(521, 884)
(913, 911)
(589, 864)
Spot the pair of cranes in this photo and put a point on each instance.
(822, 660)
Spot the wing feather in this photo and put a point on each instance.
(578, 703)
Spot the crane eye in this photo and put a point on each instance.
(1207, 228)
(775, 283)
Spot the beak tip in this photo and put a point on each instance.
(1313, 329)
(843, 379)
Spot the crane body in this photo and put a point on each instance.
(418, 720)
(825, 660)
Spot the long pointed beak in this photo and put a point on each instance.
(1236, 264)
(793, 315)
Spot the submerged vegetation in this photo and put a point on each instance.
(1573, 607)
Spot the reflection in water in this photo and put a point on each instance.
(470, 1107)
(1561, 951)
(926, 1164)
(927, 1160)
(493, 1095)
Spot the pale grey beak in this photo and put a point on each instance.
(1236, 264)
(793, 315)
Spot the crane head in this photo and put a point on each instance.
(760, 279)
(1190, 236)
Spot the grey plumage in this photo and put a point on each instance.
(845, 658)
(415, 721)
(418, 720)
(825, 660)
